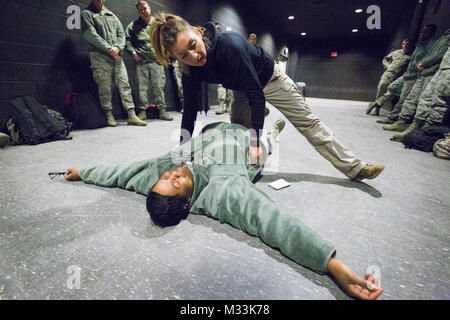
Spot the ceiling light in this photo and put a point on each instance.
(354, 30)
(303, 33)
(359, 10)
(291, 17)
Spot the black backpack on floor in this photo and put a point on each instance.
(423, 139)
(84, 111)
(31, 123)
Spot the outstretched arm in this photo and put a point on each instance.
(72, 174)
(249, 209)
(138, 176)
(353, 285)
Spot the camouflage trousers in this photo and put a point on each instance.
(105, 71)
(178, 73)
(386, 79)
(406, 89)
(394, 89)
(224, 96)
(411, 101)
(434, 101)
(153, 73)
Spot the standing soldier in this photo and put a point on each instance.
(395, 65)
(104, 34)
(138, 45)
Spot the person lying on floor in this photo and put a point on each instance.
(211, 175)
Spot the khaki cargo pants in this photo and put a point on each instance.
(283, 94)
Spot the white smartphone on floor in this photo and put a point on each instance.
(279, 184)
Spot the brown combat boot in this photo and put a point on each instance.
(385, 120)
(142, 115)
(163, 115)
(416, 124)
(399, 126)
(372, 106)
(111, 121)
(369, 171)
(133, 120)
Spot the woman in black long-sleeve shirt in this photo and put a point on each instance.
(229, 59)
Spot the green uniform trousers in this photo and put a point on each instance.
(410, 104)
(153, 73)
(434, 101)
(394, 89)
(406, 89)
(105, 71)
(224, 96)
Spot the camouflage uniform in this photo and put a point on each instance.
(395, 63)
(178, 73)
(103, 30)
(434, 101)
(430, 64)
(138, 41)
(410, 76)
(224, 97)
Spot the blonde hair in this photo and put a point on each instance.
(163, 35)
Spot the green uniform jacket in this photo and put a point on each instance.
(102, 30)
(445, 64)
(433, 59)
(421, 51)
(138, 40)
(224, 191)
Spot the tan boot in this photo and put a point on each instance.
(369, 171)
(278, 126)
(133, 120)
(142, 115)
(4, 139)
(163, 115)
(399, 126)
(385, 120)
(371, 106)
(111, 121)
(416, 124)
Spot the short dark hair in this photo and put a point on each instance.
(166, 211)
(141, 2)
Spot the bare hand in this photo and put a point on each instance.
(353, 285)
(255, 154)
(72, 174)
(420, 67)
(114, 51)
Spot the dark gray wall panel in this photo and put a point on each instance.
(41, 57)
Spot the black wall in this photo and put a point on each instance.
(41, 57)
(355, 72)
(438, 12)
(352, 75)
(245, 19)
